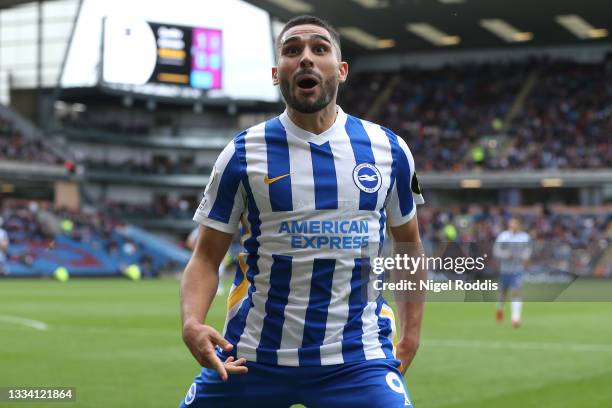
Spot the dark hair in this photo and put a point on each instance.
(306, 19)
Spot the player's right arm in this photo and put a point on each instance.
(198, 289)
(219, 215)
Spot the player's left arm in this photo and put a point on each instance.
(409, 305)
(527, 251)
(401, 209)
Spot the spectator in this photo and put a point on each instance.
(454, 117)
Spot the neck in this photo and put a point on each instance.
(317, 122)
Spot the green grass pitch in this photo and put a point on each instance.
(118, 342)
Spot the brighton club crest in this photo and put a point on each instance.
(367, 177)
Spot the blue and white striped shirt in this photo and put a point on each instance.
(313, 210)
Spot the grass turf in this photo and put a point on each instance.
(118, 342)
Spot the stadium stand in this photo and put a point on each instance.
(575, 239)
(174, 209)
(112, 120)
(150, 165)
(87, 243)
(537, 114)
(14, 145)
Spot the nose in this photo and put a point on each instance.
(306, 60)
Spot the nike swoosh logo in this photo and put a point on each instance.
(268, 180)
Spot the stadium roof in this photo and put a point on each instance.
(10, 3)
(424, 25)
(403, 26)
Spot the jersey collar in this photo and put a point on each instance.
(307, 136)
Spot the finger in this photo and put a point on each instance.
(234, 370)
(236, 367)
(220, 341)
(240, 361)
(229, 359)
(218, 366)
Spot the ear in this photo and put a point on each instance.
(274, 76)
(342, 71)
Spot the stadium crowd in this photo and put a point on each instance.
(567, 120)
(461, 117)
(15, 146)
(174, 209)
(31, 227)
(567, 238)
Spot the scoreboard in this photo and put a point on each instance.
(206, 50)
(137, 53)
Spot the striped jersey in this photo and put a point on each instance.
(512, 249)
(313, 210)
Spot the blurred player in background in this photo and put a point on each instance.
(512, 249)
(4, 244)
(314, 189)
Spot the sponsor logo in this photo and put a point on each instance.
(268, 180)
(316, 234)
(191, 394)
(367, 177)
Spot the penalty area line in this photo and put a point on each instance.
(22, 321)
(518, 345)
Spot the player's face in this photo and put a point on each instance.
(309, 69)
(514, 225)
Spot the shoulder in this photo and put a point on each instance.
(379, 133)
(502, 236)
(239, 139)
(373, 129)
(257, 132)
(232, 152)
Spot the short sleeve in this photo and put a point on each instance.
(406, 192)
(224, 197)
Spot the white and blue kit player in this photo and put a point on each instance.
(312, 191)
(512, 249)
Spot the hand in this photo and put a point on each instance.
(405, 350)
(201, 341)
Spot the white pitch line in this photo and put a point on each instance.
(34, 324)
(518, 345)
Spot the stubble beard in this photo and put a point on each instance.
(328, 90)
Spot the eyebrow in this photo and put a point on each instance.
(314, 36)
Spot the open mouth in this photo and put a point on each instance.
(307, 83)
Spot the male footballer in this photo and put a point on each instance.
(314, 190)
(513, 251)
